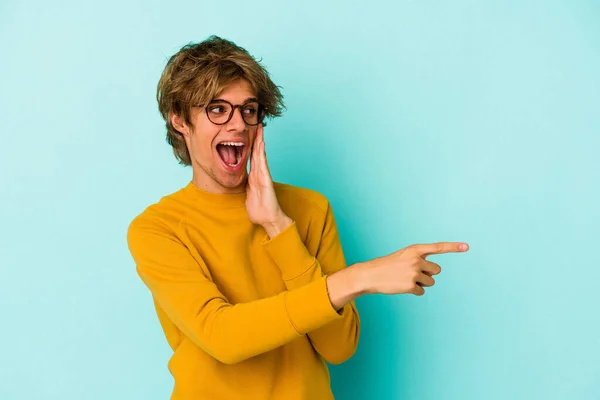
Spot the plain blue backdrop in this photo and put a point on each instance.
(421, 121)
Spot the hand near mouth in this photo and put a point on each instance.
(261, 201)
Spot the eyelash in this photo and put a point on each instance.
(213, 110)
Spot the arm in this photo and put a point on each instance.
(229, 333)
(404, 271)
(336, 341)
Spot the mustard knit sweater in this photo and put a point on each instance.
(247, 317)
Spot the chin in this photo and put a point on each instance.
(233, 182)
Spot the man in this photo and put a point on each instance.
(248, 276)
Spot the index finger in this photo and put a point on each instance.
(425, 250)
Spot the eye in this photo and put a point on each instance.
(217, 108)
(250, 109)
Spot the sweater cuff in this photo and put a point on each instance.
(309, 307)
(289, 252)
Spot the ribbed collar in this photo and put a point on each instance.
(225, 200)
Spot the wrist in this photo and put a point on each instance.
(360, 279)
(276, 227)
(346, 285)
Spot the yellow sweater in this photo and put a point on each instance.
(247, 317)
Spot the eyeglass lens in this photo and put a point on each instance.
(220, 112)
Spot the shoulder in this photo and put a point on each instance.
(165, 214)
(295, 197)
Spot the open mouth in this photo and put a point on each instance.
(231, 153)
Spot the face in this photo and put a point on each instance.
(219, 153)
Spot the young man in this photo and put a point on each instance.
(248, 276)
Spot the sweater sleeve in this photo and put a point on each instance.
(229, 333)
(336, 341)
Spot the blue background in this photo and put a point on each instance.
(421, 121)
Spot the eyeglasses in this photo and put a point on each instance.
(220, 112)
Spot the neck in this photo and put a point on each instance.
(208, 184)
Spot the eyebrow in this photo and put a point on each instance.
(249, 99)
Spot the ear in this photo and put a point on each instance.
(178, 123)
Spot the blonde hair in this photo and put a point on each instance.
(198, 72)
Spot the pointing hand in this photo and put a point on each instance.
(407, 270)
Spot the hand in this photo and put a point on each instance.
(406, 270)
(261, 201)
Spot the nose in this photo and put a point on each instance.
(236, 123)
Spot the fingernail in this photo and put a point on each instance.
(463, 246)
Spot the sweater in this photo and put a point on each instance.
(247, 316)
